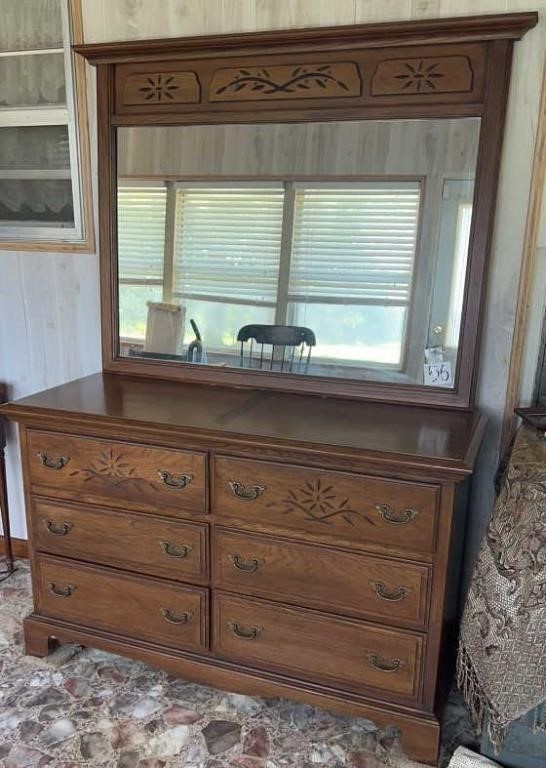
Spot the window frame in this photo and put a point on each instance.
(74, 115)
(282, 304)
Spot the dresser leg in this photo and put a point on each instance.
(38, 641)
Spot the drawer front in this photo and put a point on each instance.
(135, 606)
(317, 647)
(334, 504)
(320, 577)
(156, 546)
(118, 474)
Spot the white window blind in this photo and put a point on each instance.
(141, 233)
(228, 243)
(355, 245)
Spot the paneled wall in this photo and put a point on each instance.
(49, 304)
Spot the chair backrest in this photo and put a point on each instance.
(278, 347)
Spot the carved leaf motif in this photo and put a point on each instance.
(282, 80)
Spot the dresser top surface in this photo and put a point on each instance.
(445, 438)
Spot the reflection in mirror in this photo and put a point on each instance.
(324, 249)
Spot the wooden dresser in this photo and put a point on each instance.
(269, 543)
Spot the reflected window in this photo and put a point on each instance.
(338, 258)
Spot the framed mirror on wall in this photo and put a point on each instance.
(310, 213)
(332, 249)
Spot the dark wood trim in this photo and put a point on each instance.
(20, 547)
(485, 193)
(416, 32)
(107, 212)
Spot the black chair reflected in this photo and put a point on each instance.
(276, 347)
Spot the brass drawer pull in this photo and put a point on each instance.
(242, 492)
(173, 618)
(171, 550)
(245, 634)
(247, 567)
(389, 515)
(50, 463)
(58, 529)
(174, 481)
(391, 595)
(61, 591)
(382, 665)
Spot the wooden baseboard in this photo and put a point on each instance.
(20, 547)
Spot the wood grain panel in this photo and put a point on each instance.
(286, 81)
(161, 88)
(118, 474)
(337, 504)
(419, 76)
(320, 577)
(155, 546)
(344, 652)
(134, 606)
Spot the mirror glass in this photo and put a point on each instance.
(334, 249)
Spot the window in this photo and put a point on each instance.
(351, 268)
(40, 191)
(336, 257)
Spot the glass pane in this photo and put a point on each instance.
(41, 148)
(29, 25)
(354, 335)
(367, 266)
(37, 202)
(133, 309)
(219, 323)
(32, 81)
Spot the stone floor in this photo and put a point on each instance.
(81, 707)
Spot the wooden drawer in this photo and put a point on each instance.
(135, 606)
(156, 546)
(318, 647)
(321, 577)
(119, 474)
(340, 505)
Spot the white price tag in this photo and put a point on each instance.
(438, 374)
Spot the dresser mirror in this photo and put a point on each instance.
(309, 212)
(333, 249)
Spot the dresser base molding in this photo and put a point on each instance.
(420, 733)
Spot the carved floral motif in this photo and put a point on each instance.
(441, 74)
(320, 504)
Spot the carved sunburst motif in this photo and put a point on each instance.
(320, 503)
(159, 88)
(112, 468)
(419, 76)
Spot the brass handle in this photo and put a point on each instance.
(174, 618)
(391, 595)
(59, 463)
(390, 516)
(171, 550)
(61, 591)
(245, 634)
(58, 529)
(174, 481)
(248, 567)
(248, 494)
(382, 665)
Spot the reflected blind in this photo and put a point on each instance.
(228, 243)
(141, 233)
(355, 245)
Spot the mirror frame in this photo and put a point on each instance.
(473, 56)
